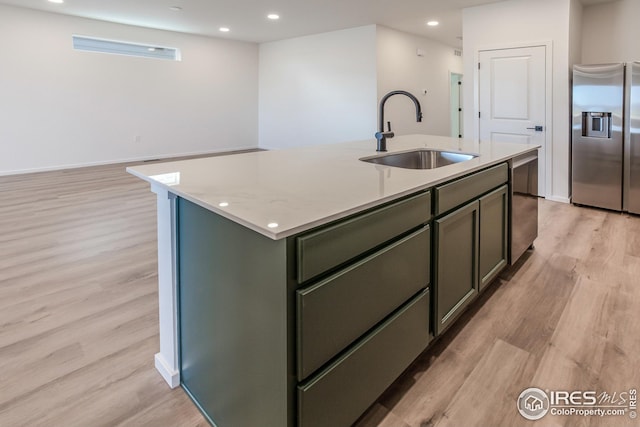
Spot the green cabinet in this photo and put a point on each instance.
(330, 246)
(452, 194)
(470, 241)
(233, 320)
(362, 308)
(493, 234)
(304, 331)
(342, 391)
(456, 263)
(334, 312)
(310, 330)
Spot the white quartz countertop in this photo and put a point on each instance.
(283, 192)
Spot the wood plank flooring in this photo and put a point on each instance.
(565, 318)
(78, 303)
(79, 328)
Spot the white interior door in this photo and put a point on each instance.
(512, 99)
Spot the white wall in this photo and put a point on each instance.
(575, 56)
(525, 22)
(318, 89)
(325, 88)
(611, 32)
(400, 68)
(61, 108)
(576, 16)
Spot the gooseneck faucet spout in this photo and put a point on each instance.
(381, 135)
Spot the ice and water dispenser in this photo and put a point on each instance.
(596, 125)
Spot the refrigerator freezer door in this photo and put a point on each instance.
(597, 160)
(633, 129)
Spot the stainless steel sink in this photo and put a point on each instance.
(420, 159)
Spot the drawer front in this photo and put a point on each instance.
(333, 313)
(329, 247)
(458, 192)
(341, 393)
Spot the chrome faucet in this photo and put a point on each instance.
(381, 135)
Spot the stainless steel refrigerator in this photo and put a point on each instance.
(606, 136)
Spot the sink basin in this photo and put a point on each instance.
(420, 159)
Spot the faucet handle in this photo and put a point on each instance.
(388, 126)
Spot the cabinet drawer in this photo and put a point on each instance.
(455, 193)
(341, 393)
(331, 246)
(331, 314)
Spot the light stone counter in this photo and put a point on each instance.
(283, 192)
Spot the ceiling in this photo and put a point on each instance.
(247, 20)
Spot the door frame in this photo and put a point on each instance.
(548, 137)
(460, 104)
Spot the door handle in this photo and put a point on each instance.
(537, 128)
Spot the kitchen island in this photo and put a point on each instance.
(296, 285)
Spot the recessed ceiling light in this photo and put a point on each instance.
(433, 23)
(272, 225)
(273, 16)
(175, 8)
(56, 1)
(224, 29)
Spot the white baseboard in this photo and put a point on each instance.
(125, 160)
(558, 199)
(171, 376)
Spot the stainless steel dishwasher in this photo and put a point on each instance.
(524, 204)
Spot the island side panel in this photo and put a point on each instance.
(233, 320)
(166, 361)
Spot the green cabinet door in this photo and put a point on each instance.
(493, 234)
(456, 263)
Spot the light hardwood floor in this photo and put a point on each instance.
(78, 316)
